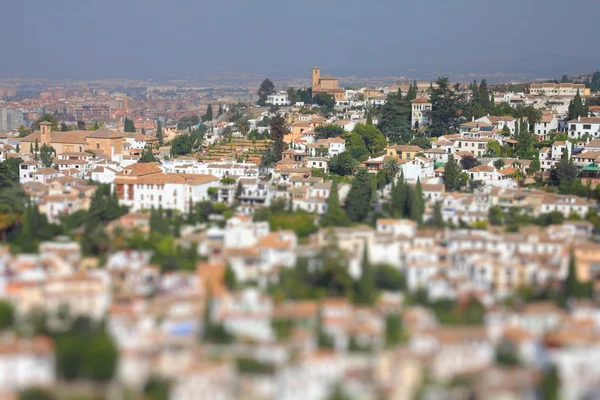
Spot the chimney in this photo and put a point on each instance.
(579, 118)
(473, 118)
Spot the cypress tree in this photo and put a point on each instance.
(159, 134)
(358, 201)
(399, 198)
(30, 148)
(334, 216)
(366, 291)
(209, 113)
(412, 93)
(220, 112)
(452, 172)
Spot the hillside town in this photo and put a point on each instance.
(420, 240)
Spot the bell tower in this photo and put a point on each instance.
(45, 132)
(316, 77)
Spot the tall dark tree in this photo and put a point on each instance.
(394, 121)
(549, 388)
(452, 172)
(358, 201)
(146, 156)
(334, 216)
(278, 130)
(220, 112)
(576, 108)
(128, 125)
(64, 127)
(81, 125)
(47, 154)
(412, 93)
(209, 114)
(329, 131)
(444, 108)
(366, 291)
(159, 133)
(267, 87)
(565, 172)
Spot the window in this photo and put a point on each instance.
(97, 145)
(587, 126)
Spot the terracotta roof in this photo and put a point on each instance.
(190, 179)
(273, 241)
(421, 100)
(586, 120)
(105, 133)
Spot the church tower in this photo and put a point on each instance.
(45, 133)
(316, 77)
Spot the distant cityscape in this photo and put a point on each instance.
(233, 236)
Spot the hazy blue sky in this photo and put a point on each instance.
(150, 38)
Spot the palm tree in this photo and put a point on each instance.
(519, 176)
(391, 168)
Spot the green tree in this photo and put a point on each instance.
(573, 288)
(334, 216)
(267, 87)
(278, 129)
(331, 273)
(394, 121)
(36, 394)
(444, 108)
(209, 114)
(159, 133)
(64, 127)
(329, 131)
(220, 112)
(373, 138)
(81, 125)
(499, 163)
(325, 100)
(7, 315)
(391, 168)
(358, 201)
(412, 92)
(576, 108)
(452, 174)
(343, 164)
(146, 156)
(157, 389)
(182, 144)
(565, 172)
(437, 219)
(230, 278)
(356, 147)
(549, 388)
(47, 154)
(366, 291)
(393, 329)
(389, 278)
(85, 351)
(46, 118)
(128, 126)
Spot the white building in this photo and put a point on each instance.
(166, 191)
(550, 156)
(26, 362)
(279, 99)
(420, 107)
(584, 126)
(543, 128)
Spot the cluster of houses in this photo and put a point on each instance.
(155, 318)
